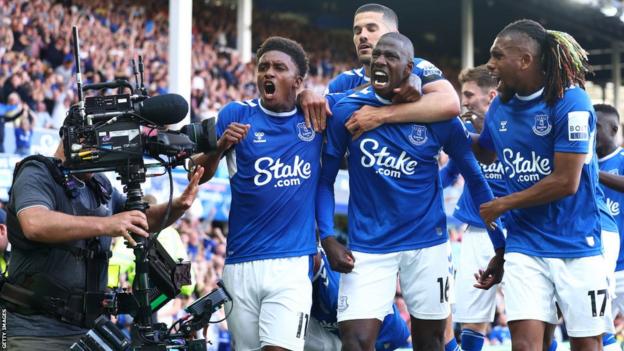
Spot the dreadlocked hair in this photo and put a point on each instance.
(564, 62)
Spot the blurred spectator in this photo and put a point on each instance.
(23, 134)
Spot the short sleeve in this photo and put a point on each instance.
(574, 122)
(118, 201)
(228, 114)
(34, 186)
(427, 71)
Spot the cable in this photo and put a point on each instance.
(227, 314)
(167, 211)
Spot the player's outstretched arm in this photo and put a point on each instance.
(449, 173)
(439, 102)
(458, 148)
(613, 181)
(179, 206)
(233, 135)
(482, 151)
(563, 181)
(340, 258)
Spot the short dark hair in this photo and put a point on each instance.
(290, 48)
(480, 75)
(388, 14)
(405, 41)
(606, 109)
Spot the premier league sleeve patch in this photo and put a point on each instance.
(578, 126)
(429, 69)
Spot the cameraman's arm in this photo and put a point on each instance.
(35, 197)
(234, 133)
(180, 204)
(47, 226)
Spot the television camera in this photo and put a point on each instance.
(114, 133)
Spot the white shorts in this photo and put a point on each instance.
(532, 285)
(474, 305)
(319, 339)
(618, 301)
(272, 300)
(611, 251)
(426, 282)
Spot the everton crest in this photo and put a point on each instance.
(542, 125)
(304, 133)
(418, 135)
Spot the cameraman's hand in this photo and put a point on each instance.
(340, 258)
(234, 133)
(184, 201)
(124, 223)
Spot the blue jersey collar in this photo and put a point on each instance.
(610, 156)
(382, 100)
(530, 97)
(276, 114)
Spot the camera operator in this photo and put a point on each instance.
(61, 234)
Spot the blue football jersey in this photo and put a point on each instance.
(526, 133)
(395, 198)
(614, 163)
(425, 70)
(274, 175)
(393, 333)
(465, 209)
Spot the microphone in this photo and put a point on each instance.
(163, 109)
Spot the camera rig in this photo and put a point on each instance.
(113, 133)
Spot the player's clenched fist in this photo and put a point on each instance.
(234, 133)
(340, 258)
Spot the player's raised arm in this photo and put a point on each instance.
(482, 146)
(340, 258)
(563, 181)
(458, 148)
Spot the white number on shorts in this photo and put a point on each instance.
(592, 295)
(302, 329)
(444, 289)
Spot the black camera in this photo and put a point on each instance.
(104, 336)
(110, 133)
(114, 133)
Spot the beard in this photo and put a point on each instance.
(504, 92)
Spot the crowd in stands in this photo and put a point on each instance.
(37, 87)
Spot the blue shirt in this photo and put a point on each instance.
(274, 174)
(353, 78)
(526, 133)
(395, 197)
(393, 333)
(614, 164)
(494, 174)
